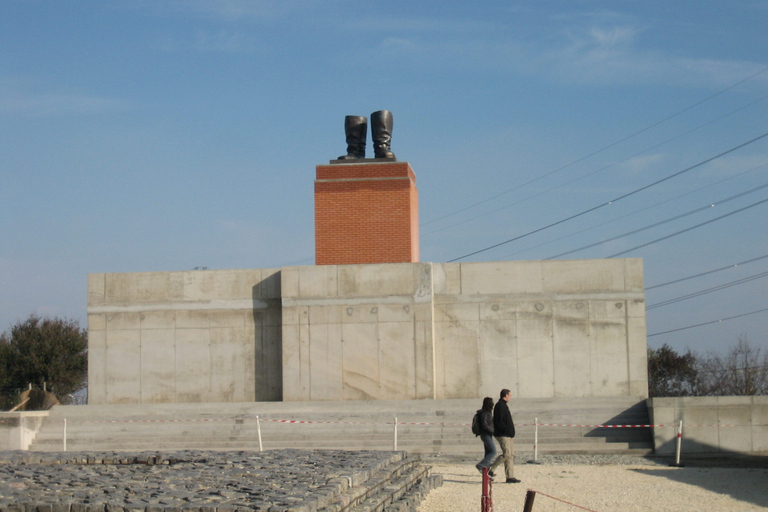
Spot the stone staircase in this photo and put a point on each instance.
(423, 426)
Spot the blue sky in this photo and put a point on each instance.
(167, 135)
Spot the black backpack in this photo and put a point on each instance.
(476, 424)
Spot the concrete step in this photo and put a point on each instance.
(443, 423)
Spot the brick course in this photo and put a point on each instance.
(366, 213)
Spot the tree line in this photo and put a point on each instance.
(43, 353)
(743, 370)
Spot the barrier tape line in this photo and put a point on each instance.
(9, 420)
(562, 501)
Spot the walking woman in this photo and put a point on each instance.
(486, 434)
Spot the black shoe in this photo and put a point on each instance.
(491, 474)
(513, 481)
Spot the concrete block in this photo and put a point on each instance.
(192, 365)
(457, 313)
(498, 311)
(96, 289)
(123, 321)
(360, 314)
(457, 360)
(193, 319)
(609, 366)
(157, 319)
(394, 279)
(572, 358)
(270, 286)
(144, 287)
(633, 274)
(501, 277)
(236, 318)
(97, 365)
(326, 353)
(325, 315)
(97, 322)
(158, 376)
(395, 313)
(124, 363)
(579, 276)
(318, 282)
(424, 360)
(271, 365)
(535, 369)
(291, 364)
(289, 282)
(446, 278)
(212, 285)
(397, 361)
(498, 366)
(360, 361)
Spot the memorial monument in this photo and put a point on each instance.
(368, 321)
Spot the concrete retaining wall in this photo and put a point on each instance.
(198, 336)
(18, 429)
(369, 332)
(711, 424)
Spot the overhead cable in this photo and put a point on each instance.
(629, 194)
(707, 272)
(660, 223)
(604, 148)
(707, 291)
(708, 323)
(689, 229)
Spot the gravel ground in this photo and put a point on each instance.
(605, 483)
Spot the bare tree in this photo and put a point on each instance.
(742, 371)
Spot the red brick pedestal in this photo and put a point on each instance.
(366, 212)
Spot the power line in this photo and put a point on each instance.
(707, 291)
(708, 323)
(689, 229)
(591, 173)
(604, 148)
(660, 223)
(650, 207)
(707, 272)
(657, 182)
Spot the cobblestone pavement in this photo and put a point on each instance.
(188, 481)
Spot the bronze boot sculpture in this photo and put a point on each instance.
(356, 129)
(381, 131)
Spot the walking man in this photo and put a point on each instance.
(504, 432)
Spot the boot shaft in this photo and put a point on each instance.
(381, 131)
(356, 130)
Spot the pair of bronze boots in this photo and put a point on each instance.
(356, 128)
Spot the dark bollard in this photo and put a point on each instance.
(529, 496)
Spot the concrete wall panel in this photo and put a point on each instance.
(158, 375)
(572, 356)
(124, 366)
(98, 367)
(501, 278)
(360, 361)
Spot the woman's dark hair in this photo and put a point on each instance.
(488, 404)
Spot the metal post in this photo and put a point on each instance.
(535, 440)
(486, 501)
(679, 444)
(395, 440)
(64, 434)
(258, 431)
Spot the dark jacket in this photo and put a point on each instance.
(486, 422)
(503, 425)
